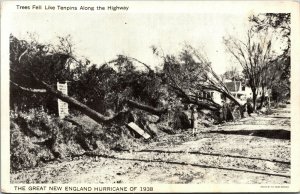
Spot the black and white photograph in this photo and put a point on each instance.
(108, 93)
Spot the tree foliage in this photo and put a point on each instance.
(262, 64)
(35, 68)
(278, 77)
(45, 61)
(190, 74)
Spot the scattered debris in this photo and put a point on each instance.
(137, 129)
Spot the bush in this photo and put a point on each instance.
(23, 151)
(36, 137)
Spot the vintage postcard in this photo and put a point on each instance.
(150, 96)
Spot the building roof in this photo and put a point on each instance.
(233, 86)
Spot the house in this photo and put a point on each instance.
(242, 92)
(238, 89)
(216, 96)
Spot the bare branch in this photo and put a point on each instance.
(22, 55)
(29, 89)
(147, 66)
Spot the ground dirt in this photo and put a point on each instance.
(255, 149)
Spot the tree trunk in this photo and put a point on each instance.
(149, 109)
(262, 98)
(241, 108)
(230, 97)
(254, 96)
(94, 114)
(81, 107)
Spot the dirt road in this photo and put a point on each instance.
(255, 149)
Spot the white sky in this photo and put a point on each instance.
(100, 37)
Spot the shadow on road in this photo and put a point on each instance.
(273, 134)
(277, 117)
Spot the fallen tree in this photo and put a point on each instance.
(191, 74)
(98, 117)
(186, 77)
(35, 68)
